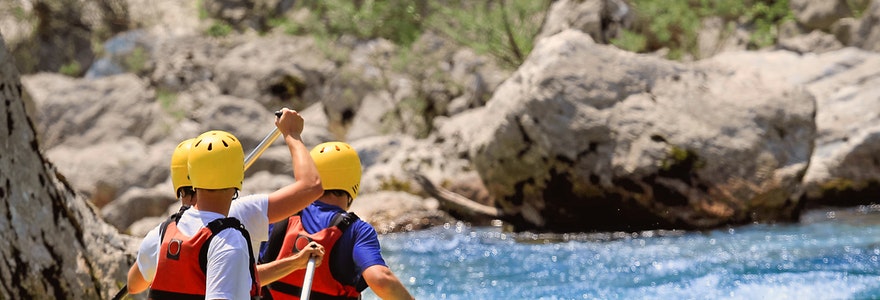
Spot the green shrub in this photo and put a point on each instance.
(203, 12)
(858, 7)
(675, 24)
(219, 29)
(136, 61)
(394, 184)
(72, 69)
(287, 25)
(630, 41)
(19, 13)
(399, 21)
(504, 29)
(168, 102)
(765, 16)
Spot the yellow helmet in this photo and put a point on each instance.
(216, 161)
(339, 167)
(179, 173)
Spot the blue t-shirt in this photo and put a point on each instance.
(354, 252)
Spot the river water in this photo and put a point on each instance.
(830, 254)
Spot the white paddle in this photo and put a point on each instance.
(265, 143)
(307, 282)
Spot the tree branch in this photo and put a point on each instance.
(457, 202)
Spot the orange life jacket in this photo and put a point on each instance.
(324, 286)
(183, 260)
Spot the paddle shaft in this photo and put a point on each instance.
(265, 143)
(122, 293)
(307, 282)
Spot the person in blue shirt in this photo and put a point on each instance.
(352, 258)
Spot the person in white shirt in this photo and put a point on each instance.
(204, 253)
(254, 211)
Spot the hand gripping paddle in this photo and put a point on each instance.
(310, 274)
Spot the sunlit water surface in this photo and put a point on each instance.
(829, 255)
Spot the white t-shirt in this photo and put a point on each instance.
(251, 210)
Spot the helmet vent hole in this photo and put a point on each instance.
(225, 144)
(337, 147)
(197, 143)
(209, 146)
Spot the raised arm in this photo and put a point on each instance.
(292, 198)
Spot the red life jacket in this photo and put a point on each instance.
(324, 285)
(183, 260)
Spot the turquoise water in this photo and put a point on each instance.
(829, 255)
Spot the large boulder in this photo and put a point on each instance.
(845, 166)
(54, 244)
(279, 70)
(585, 137)
(181, 62)
(106, 134)
(80, 112)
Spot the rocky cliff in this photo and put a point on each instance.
(55, 244)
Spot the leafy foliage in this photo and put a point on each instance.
(73, 69)
(219, 29)
(136, 61)
(674, 24)
(504, 29)
(168, 101)
(858, 7)
(397, 20)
